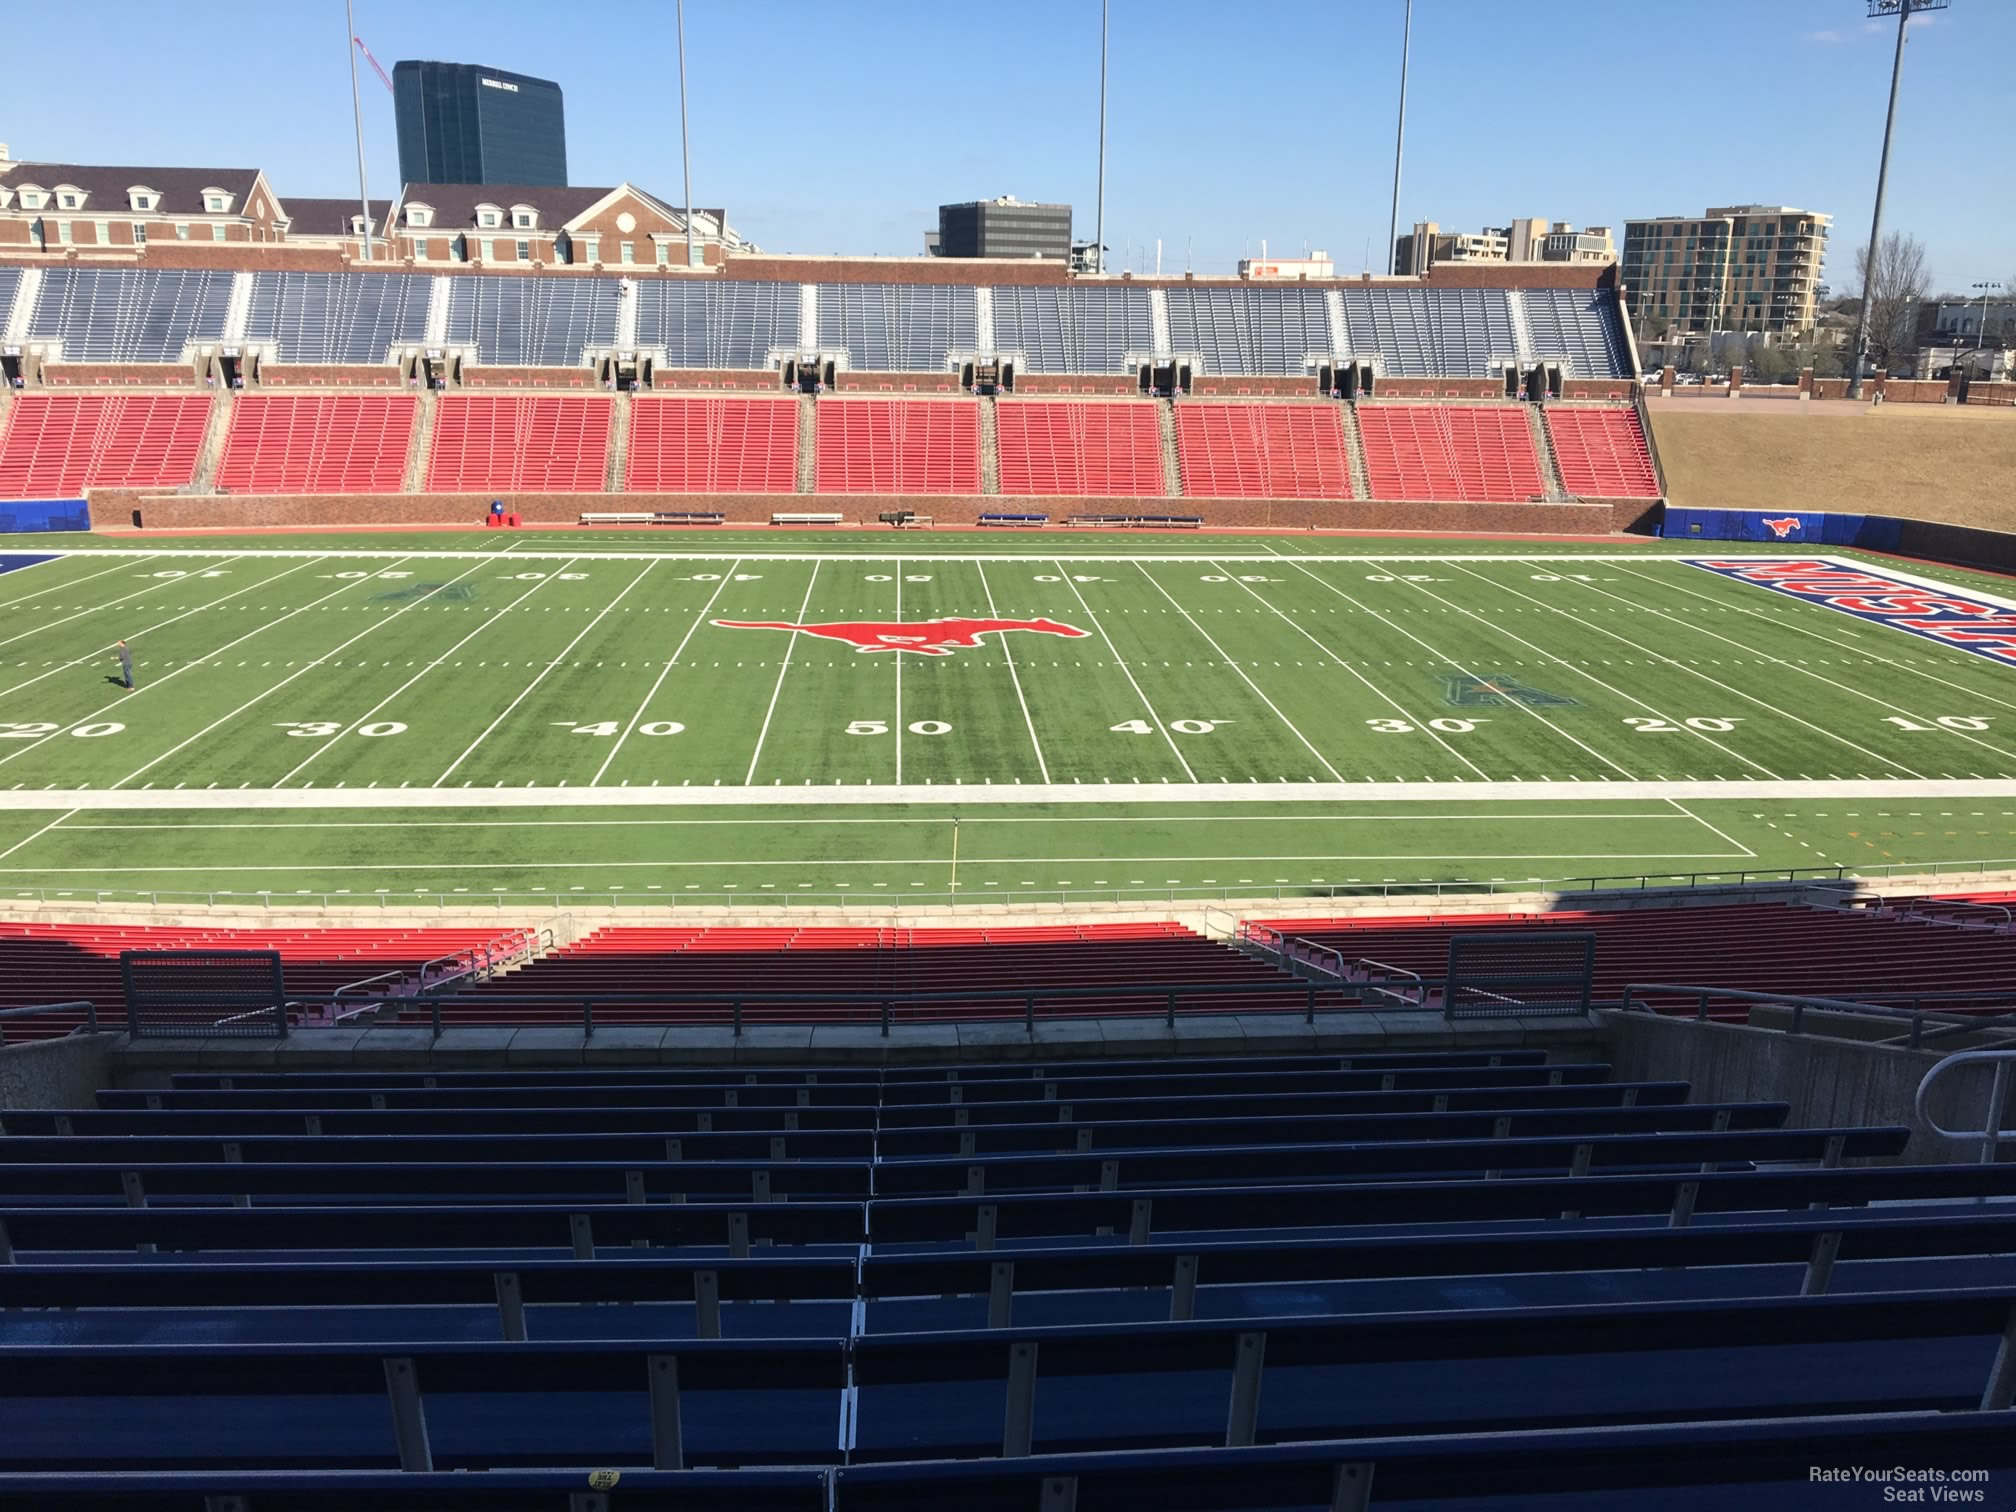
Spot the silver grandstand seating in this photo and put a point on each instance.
(337, 317)
(717, 325)
(889, 328)
(532, 322)
(1431, 333)
(1250, 331)
(130, 314)
(1073, 330)
(1578, 324)
(10, 283)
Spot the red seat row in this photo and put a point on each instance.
(1262, 451)
(55, 446)
(1078, 450)
(541, 444)
(1468, 453)
(898, 446)
(318, 443)
(1602, 454)
(712, 446)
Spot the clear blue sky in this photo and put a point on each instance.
(839, 126)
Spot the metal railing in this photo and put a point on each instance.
(1926, 1023)
(1992, 1126)
(1700, 882)
(36, 1010)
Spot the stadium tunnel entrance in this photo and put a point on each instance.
(1345, 380)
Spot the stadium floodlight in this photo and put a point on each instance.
(685, 153)
(1399, 138)
(357, 117)
(1099, 225)
(1903, 10)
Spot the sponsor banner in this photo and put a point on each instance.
(1962, 620)
(1795, 527)
(19, 516)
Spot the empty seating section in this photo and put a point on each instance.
(1431, 333)
(760, 966)
(892, 328)
(55, 445)
(712, 446)
(1262, 451)
(1761, 947)
(318, 443)
(716, 325)
(61, 963)
(1088, 329)
(532, 322)
(1473, 1278)
(337, 317)
(10, 285)
(129, 315)
(898, 446)
(1250, 331)
(1456, 452)
(1581, 325)
(1088, 450)
(1601, 453)
(544, 443)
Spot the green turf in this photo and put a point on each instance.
(582, 665)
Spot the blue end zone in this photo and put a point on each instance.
(19, 516)
(13, 561)
(1793, 526)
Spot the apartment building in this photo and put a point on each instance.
(1745, 268)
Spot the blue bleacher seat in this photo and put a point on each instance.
(1249, 331)
(532, 322)
(1581, 325)
(129, 314)
(337, 317)
(716, 325)
(1086, 328)
(889, 328)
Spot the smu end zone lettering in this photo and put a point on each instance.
(1937, 614)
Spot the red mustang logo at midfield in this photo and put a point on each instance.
(1783, 528)
(935, 637)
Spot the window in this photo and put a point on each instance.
(458, 249)
(139, 234)
(419, 215)
(63, 233)
(664, 254)
(35, 232)
(33, 199)
(218, 231)
(486, 219)
(68, 201)
(420, 248)
(522, 219)
(524, 251)
(591, 248)
(217, 204)
(489, 250)
(629, 252)
(181, 230)
(104, 230)
(142, 201)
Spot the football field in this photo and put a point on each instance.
(929, 716)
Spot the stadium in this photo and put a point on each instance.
(859, 883)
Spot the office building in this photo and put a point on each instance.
(1004, 227)
(1532, 239)
(1747, 268)
(462, 123)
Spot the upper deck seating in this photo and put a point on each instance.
(532, 322)
(709, 324)
(1431, 333)
(1581, 325)
(1089, 328)
(130, 314)
(889, 328)
(1250, 330)
(337, 318)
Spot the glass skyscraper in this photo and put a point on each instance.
(462, 123)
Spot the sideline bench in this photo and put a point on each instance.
(807, 517)
(654, 517)
(1140, 521)
(1015, 521)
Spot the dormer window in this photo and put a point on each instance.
(419, 215)
(216, 202)
(69, 199)
(524, 217)
(141, 198)
(489, 217)
(33, 199)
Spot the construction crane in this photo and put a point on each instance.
(384, 77)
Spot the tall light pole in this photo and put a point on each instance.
(357, 117)
(1903, 10)
(1981, 327)
(685, 153)
(1099, 225)
(1399, 139)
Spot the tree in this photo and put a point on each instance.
(1894, 288)
(1767, 364)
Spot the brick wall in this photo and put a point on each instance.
(1597, 388)
(1035, 385)
(1438, 388)
(357, 375)
(685, 380)
(528, 377)
(1230, 386)
(897, 383)
(114, 507)
(118, 375)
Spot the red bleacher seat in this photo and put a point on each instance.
(1088, 450)
(57, 445)
(898, 446)
(1455, 452)
(712, 446)
(1262, 451)
(557, 443)
(1602, 453)
(318, 443)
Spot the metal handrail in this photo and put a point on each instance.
(348, 987)
(1990, 1133)
(1918, 1018)
(34, 1010)
(1911, 911)
(1397, 973)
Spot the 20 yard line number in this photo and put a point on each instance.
(37, 730)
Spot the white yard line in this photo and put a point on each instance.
(1106, 558)
(154, 683)
(1240, 671)
(55, 587)
(796, 821)
(1718, 834)
(30, 840)
(305, 670)
(544, 671)
(433, 663)
(1058, 564)
(706, 610)
(1377, 691)
(159, 587)
(1692, 671)
(1014, 677)
(1222, 795)
(898, 656)
(785, 666)
(1832, 642)
(1446, 660)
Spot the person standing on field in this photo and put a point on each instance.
(126, 665)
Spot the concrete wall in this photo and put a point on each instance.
(1829, 1082)
(64, 1073)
